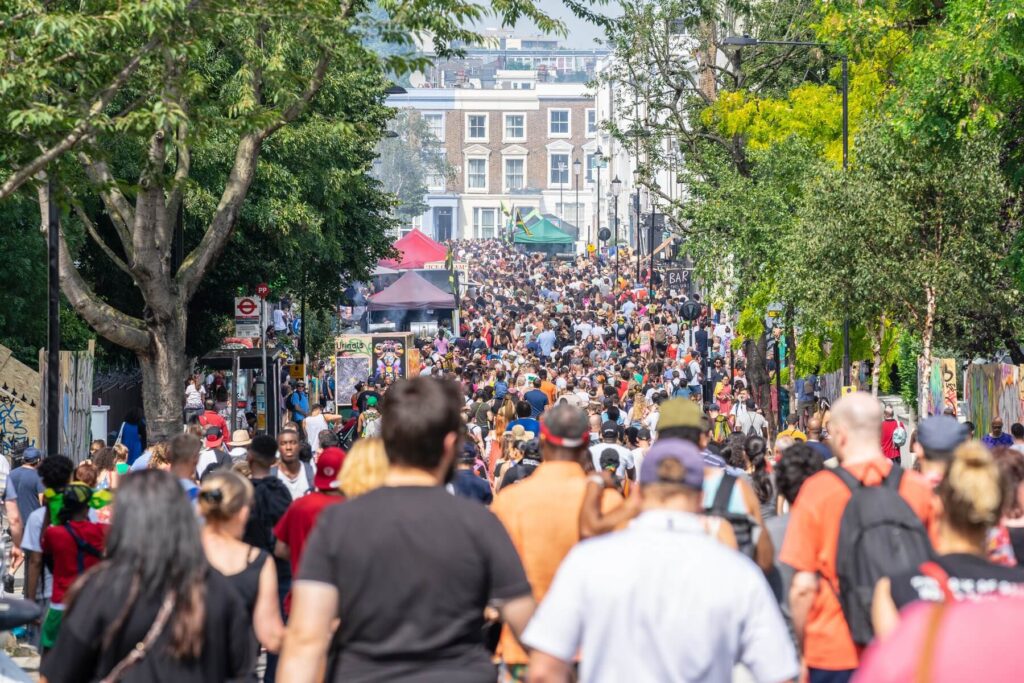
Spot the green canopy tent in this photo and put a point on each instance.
(544, 236)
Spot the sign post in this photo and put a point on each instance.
(247, 317)
(678, 279)
(262, 290)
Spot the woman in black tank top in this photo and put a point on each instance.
(224, 502)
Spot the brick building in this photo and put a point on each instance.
(512, 148)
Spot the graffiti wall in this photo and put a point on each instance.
(994, 389)
(353, 355)
(942, 386)
(19, 403)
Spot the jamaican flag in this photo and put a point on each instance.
(449, 264)
(521, 224)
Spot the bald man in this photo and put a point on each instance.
(813, 533)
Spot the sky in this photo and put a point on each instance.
(580, 33)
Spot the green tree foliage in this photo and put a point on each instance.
(137, 109)
(406, 159)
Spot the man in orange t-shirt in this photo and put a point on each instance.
(549, 389)
(812, 536)
(542, 513)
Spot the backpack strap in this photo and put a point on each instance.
(720, 505)
(934, 570)
(852, 482)
(83, 547)
(893, 479)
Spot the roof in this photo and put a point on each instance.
(411, 292)
(542, 232)
(415, 249)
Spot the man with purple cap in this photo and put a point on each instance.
(661, 600)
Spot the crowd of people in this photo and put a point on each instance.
(577, 486)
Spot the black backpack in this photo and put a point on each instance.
(742, 525)
(879, 535)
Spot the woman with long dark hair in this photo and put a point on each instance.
(153, 610)
(760, 480)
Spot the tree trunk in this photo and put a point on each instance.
(760, 382)
(791, 359)
(164, 370)
(876, 355)
(925, 363)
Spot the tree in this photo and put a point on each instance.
(912, 231)
(405, 160)
(206, 77)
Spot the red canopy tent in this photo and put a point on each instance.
(415, 249)
(411, 292)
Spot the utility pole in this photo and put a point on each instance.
(52, 323)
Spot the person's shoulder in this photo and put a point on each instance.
(820, 486)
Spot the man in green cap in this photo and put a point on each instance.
(369, 419)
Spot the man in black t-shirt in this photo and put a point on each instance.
(407, 568)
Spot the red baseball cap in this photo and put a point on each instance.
(328, 467)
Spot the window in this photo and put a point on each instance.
(515, 127)
(558, 169)
(591, 165)
(435, 163)
(558, 122)
(476, 126)
(485, 221)
(570, 213)
(476, 174)
(591, 122)
(435, 123)
(514, 174)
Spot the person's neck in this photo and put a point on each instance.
(399, 475)
(231, 529)
(258, 472)
(182, 471)
(952, 541)
(291, 467)
(859, 456)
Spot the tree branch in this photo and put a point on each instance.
(83, 128)
(90, 227)
(297, 107)
(120, 328)
(120, 211)
(195, 265)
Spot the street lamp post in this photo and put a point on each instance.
(748, 41)
(599, 155)
(576, 213)
(562, 173)
(616, 189)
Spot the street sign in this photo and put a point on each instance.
(848, 390)
(247, 317)
(297, 371)
(678, 278)
(262, 290)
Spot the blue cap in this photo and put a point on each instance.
(31, 453)
(941, 434)
(673, 461)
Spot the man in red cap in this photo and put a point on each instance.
(298, 521)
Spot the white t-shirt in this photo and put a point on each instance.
(299, 486)
(194, 397)
(625, 457)
(32, 540)
(207, 457)
(314, 424)
(279, 324)
(663, 570)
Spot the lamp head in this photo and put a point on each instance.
(739, 41)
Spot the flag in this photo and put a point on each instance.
(504, 210)
(521, 225)
(449, 264)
